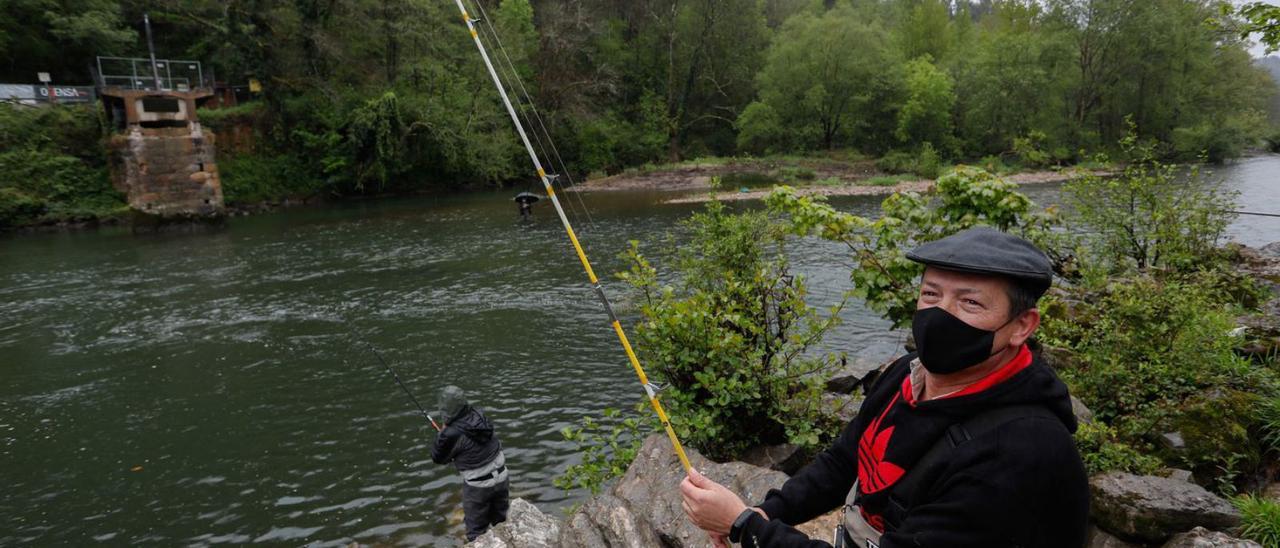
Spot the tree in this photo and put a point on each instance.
(514, 22)
(60, 37)
(926, 116)
(925, 29)
(823, 74)
(1016, 80)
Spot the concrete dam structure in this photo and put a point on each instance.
(161, 158)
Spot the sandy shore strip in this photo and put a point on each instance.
(854, 189)
(697, 176)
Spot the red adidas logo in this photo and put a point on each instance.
(874, 473)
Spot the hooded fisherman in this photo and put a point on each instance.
(467, 440)
(966, 442)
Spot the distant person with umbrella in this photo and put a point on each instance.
(467, 440)
(525, 201)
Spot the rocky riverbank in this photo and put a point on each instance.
(643, 510)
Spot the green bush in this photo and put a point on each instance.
(1269, 423)
(1154, 357)
(760, 130)
(39, 186)
(1273, 141)
(1219, 138)
(218, 119)
(1151, 216)
(929, 162)
(1147, 345)
(257, 178)
(53, 167)
(796, 174)
(1219, 429)
(1102, 452)
(926, 163)
(963, 198)
(1030, 150)
(994, 164)
(897, 162)
(747, 179)
(607, 447)
(1259, 519)
(732, 337)
(70, 130)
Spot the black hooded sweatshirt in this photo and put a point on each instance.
(1020, 484)
(467, 440)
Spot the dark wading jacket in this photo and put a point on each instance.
(468, 441)
(1019, 484)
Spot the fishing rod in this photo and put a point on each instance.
(434, 424)
(650, 389)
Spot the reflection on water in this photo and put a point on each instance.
(216, 388)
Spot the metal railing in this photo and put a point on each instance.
(140, 73)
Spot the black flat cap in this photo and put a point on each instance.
(985, 250)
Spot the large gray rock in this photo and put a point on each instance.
(1262, 264)
(1271, 250)
(526, 527)
(1060, 359)
(1082, 412)
(849, 375)
(606, 520)
(1151, 508)
(652, 484)
(644, 510)
(1204, 538)
(844, 406)
(785, 458)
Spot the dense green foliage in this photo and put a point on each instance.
(607, 446)
(373, 96)
(730, 336)
(1153, 357)
(963, 198)
(1144, 314)
(53, 167)
(1147, 317)
(1149, 217)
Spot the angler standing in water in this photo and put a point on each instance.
(467, 440)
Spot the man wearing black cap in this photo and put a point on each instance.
(468, 441)
(966, 442)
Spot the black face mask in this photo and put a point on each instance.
(946, 344)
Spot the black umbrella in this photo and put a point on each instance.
(527, 197)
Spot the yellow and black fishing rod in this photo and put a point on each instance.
(650, 389)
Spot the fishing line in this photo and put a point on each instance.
(508, 74)
(651, 389)
(424, 412)
(528, 100)
(1254, 213)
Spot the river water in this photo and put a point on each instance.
(218, 387)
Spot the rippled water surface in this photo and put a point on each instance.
(216, 387)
